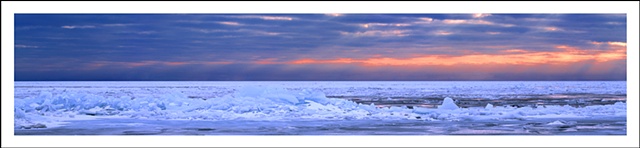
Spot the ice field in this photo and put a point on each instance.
(321, 108)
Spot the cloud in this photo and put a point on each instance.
(146, 32)
(427, 20)
(29, 27)
(336, 61)
(567, 54)
(194, 21)
(215, 63)
(334, 14)
(480, 15)
(139, 32)
(623, 44)
(258, 32)
(276, 18)
(615, 23)
(343, 40)
(263, 17)
(78, 27)
(618, 43)
(268, 61)
(377, 33)
(460, 21)
(25, 46)
(443, 33)
(493, 33)
(135, 64)
(515, 51)
(117, 25)
(555, 29)
(367, 25)
(230, 23)
(208, 30)
(249, 31)
(540, 19)
(550, 29)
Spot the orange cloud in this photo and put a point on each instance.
(567, 54)
(617, 43)
(515, 51)
(336, 61)
(305, 61)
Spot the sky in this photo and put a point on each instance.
(320, 47)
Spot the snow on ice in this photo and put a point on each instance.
(267, 103)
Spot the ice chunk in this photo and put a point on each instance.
(489, 106)
(448, 104)
(562, 123)
(557, 122)
(38, 125)
(620, 104)
(18, 114)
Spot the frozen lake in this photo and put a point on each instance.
(321, 108)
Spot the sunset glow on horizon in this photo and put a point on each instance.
(320, 47)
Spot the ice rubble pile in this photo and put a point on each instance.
(247, 103)
(254, 103)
